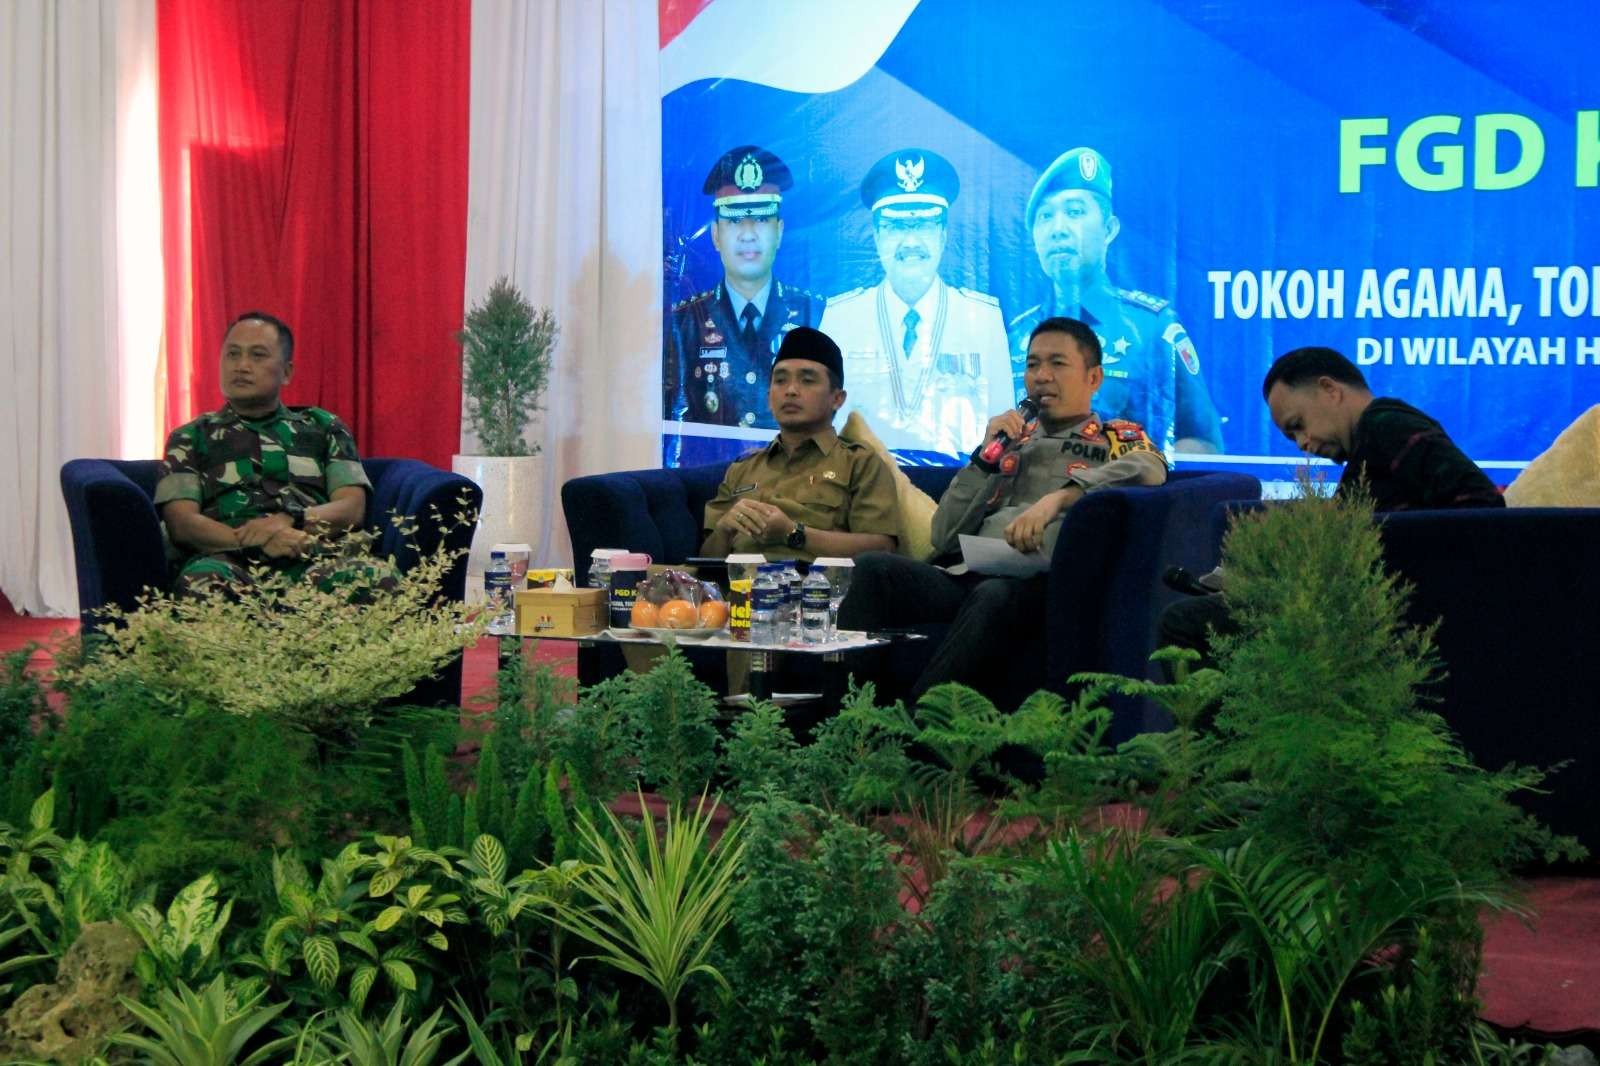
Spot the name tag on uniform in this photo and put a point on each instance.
(742, 489)
(713, 353)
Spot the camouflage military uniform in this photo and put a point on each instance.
(237, 469)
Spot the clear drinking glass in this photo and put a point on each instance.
(839, 572)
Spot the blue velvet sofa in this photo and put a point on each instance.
(1516, 593)
(118, 548)
(1105, 580)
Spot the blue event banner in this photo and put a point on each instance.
(1207, 184)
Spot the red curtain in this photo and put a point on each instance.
(314, 165)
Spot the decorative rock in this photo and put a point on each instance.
(1576, 1055)
(69, 1021)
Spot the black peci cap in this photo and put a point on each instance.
(803, 342)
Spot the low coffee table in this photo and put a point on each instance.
(763, 657)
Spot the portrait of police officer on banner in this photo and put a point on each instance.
(1152, 373)
(720, 343)
(927, 361)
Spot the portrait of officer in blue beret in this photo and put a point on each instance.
(927, 361)
(1152, 373)
(720, 343)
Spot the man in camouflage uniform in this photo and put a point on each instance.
(1018, 493)
(261, 483)
(719, 343)
(1152, 372)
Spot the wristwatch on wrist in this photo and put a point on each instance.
(797, 536)
(298, 518)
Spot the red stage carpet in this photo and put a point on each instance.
(1545, 979)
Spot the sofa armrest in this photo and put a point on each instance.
(1106, 593)
(116, 537)
(429, 499)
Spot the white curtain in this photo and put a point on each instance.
(80, 300)
(565, 198)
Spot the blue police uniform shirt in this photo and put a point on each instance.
(1152, 374)
(709, 376)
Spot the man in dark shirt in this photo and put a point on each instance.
(1321, 402)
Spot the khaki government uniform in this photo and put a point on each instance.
(826, 483)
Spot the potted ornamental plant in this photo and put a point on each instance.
(506, 346)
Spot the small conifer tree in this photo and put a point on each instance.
(506, 343)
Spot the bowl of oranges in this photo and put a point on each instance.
(675, 604)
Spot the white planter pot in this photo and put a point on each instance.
(512, 508)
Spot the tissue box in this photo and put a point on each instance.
(571, 613)
(548, 577)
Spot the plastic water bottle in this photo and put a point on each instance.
(766, 605)
(789, 617)
(497, 593)
(814, 594)
(600, 568)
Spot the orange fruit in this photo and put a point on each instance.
(679, 614)
(645, 615)
(713, 614)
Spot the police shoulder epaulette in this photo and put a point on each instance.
(1125, 429)
(1154, 304)
(983, 297)
(752, 453)
(1030, 312)
(796, 292)
(843, 296)
(696, 298)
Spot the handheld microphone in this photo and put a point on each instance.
(994, 449)
(1181, 580)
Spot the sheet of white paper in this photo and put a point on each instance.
(993, 556)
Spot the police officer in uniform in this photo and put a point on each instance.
(1018, 492)
(720, 342)
(1152, 374)
(927, 361)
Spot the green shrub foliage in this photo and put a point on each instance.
(1292, 874)
(1322, 711)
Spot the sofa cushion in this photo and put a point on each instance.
(916, 506)
(1566, 474)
